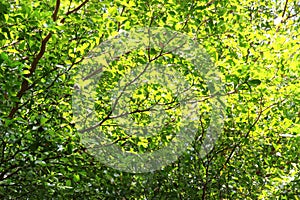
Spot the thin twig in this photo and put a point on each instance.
(74, 10)
(283, 13)
(261, 111)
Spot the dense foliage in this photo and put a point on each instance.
(254, 44)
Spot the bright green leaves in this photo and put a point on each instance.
(41, 155)
(139, 104)
(120, 19)
(76, 177)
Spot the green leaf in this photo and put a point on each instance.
(254, 82)
(26, 72)
(76, 177)
(68, 183)
(70, 148)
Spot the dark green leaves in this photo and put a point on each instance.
(254, 82)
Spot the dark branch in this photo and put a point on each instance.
(54, 15)
(283, 13)
(25, 83)
(285, 8)
(74, 10)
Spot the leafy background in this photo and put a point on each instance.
(254, 44)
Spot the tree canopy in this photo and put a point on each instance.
(253, 45)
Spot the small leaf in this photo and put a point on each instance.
(68, 183)
(70, 148)
(43, 120)
(254, 82)
(120, 19)
(76, 177)
(26, 72)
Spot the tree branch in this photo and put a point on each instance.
(74, 10)
(25, 83)
(54, 15)
(285, 8)
(283, 13)
(210, 3)
(249, 131)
